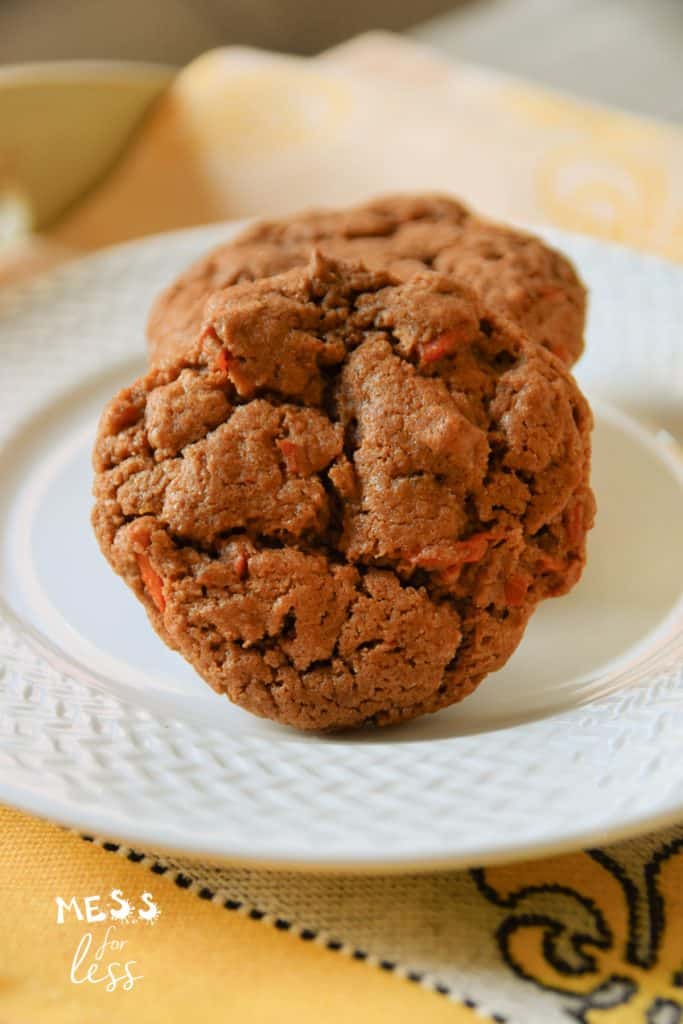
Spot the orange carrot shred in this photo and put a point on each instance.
(574, 524)
(209, 331)
(223, 361)
(290, 453)
(439, 347)
(152, 581)
(450, 562)
(516, 589)
(474, 548)
(241, 565)
(549, 563)
(226, 364)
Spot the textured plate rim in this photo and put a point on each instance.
(169, 841)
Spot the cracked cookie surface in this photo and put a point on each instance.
(515, 273)
(344, 501)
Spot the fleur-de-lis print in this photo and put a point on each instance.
(610, 941)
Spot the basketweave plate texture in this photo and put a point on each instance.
(576, 741)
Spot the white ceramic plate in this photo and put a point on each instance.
(578, 739)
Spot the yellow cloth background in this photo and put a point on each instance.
(199, 962)
(239, 134)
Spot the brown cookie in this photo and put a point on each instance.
(515, 273)
(343, 503)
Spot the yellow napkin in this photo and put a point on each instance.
(197, 962)
(244, 133)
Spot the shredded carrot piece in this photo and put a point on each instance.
(241, 565)
(443, 345)
(449, 559)
(516, 589)
(153, 582)
(549, 563)
(290, 453)
(224, 361)
(209, 331)
(474, 548)
(226, 364)
(574, 524)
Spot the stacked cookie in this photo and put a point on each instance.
(358, 462)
